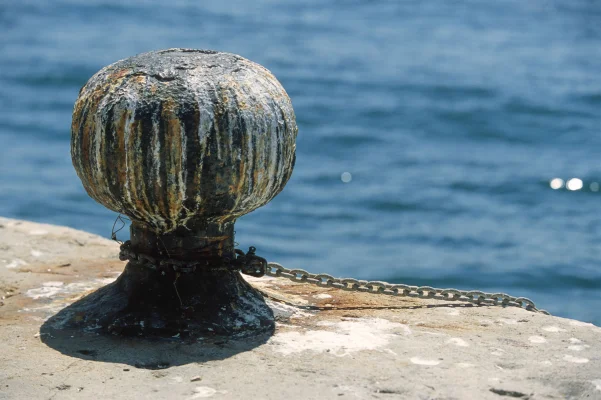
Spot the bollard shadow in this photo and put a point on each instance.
(154, 337)
(145, 353)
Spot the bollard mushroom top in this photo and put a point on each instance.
(173, 136)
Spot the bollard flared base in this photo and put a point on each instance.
(149, 303)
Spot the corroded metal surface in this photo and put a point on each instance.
(183, 142)
(196, 240)
(172, 136)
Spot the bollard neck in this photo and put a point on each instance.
(196, 240)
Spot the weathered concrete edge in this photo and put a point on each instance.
(416, 344)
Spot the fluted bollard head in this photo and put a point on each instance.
(183, 142)
(174, 136)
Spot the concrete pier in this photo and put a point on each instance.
(328, 343)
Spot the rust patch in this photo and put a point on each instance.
(173, 159)
(119, 74)
(120, 150)
(343, 304)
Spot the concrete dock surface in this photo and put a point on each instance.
(328, 344)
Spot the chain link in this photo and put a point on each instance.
(253, 265)
(400, 290)
(248, 263)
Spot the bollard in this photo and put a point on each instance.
(183, 142)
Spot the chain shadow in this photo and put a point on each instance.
(414, 307)
(368, 307)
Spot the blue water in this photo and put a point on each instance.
(451, 117)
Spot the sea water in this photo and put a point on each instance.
(430, 132)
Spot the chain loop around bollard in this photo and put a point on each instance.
(251, 264)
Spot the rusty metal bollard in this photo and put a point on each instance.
(183, 142)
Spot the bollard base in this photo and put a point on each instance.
(149, 303)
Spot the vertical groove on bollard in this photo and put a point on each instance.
(183, 142)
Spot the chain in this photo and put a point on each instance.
(400, 290)
(248, 263)
(251, 264)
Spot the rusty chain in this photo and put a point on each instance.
(251, 264)
(248, 263)
(400, 290)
